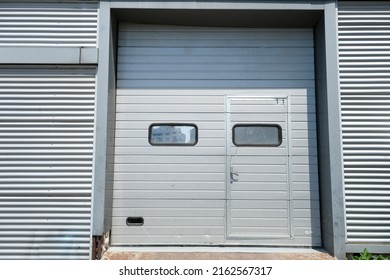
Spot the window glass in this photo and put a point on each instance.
(173, 134)
(257, 135)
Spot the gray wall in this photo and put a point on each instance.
(48, 59)
(364, 55)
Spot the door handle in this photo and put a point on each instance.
(232, 176)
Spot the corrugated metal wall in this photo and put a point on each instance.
(46, 135)
(171, 74)
(364, 48)
(38, 25)
(46, 141)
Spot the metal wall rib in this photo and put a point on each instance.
(46, 145)
(364, 51)
(36, 25)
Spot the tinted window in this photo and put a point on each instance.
(173, 134)
(257, 135)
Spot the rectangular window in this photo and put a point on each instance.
(173, 134)
(260, 135)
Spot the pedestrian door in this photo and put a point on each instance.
(258, 200)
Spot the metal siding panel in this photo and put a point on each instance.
(46, 132)
(184, 76)
(364, 58)
(45, 25)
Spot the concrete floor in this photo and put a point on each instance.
(214, 254)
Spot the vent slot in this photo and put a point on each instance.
(135, 221)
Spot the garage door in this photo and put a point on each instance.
(215, 137)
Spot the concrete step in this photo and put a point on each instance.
(183, 253)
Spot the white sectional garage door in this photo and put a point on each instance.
(215, 139)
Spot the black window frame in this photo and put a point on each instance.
(280, 135)
(173, 144)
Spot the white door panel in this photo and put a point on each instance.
(253, 179)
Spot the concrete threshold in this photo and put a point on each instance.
(214, 253)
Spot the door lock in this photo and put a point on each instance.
(232, 176)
